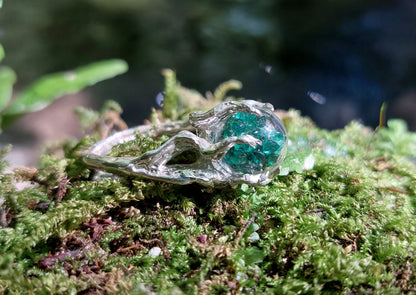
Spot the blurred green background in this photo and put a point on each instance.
(356, 54)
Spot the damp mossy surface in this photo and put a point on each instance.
(339, 219)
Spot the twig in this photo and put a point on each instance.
(392, 189)
(317, 210)
(244, 229)
(135, 246)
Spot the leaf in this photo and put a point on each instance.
(44, 91)
(254, 237)
(253, 255)
(7, 79)
(248, 256)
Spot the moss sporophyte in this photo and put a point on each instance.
(346, 224)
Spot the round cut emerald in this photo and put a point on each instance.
(245, 158)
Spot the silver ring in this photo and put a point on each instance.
(235, 142)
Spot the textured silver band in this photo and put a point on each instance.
(202, 136)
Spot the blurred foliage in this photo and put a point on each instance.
(178, 101)
(42, 92)
(217, 36)
(50, 87)
(215, 39)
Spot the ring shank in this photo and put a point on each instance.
(197, 148)
(103, 147)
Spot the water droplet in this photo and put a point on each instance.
(267, 68)
(316, 97)
(159, 98)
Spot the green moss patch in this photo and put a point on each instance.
(346, 224)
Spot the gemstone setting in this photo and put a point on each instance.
(246, 159)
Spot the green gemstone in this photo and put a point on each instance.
(245, 158)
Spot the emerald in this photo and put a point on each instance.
(245, 158)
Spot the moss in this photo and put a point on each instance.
(345, 225)
(137, 147)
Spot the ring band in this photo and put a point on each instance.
(235, 142)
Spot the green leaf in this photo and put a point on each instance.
(44, 91)
(2, 54)
(7, 79)
(253, 255)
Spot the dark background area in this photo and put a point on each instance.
(357, 54)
